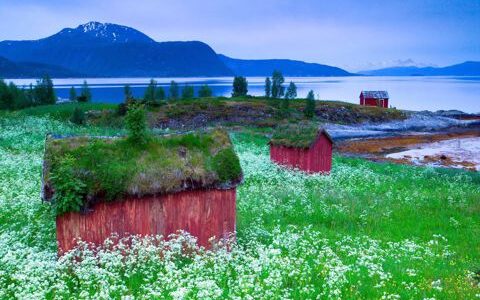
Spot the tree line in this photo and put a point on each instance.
(275, 90)
(13, 97)
(42, 93)
(155, 93)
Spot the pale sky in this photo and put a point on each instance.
(351, 34)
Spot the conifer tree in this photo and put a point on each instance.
(309, 111)
(205, 91)
(268, 87)
(73, 94)
(173, 90)
(291, 91)
(86, 94)
(240, 86)
(277, 84)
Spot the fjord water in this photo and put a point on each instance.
(410, 93)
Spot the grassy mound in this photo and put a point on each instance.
(300, 135)
(80, 170)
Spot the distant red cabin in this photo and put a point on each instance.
(374, 98)
(316, 158)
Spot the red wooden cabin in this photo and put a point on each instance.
(374, 98)
(203, 206)
(315, 157)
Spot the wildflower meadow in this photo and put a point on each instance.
(366, 231)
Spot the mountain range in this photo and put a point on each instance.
(468, 68)
(108, 50)
(265, 67)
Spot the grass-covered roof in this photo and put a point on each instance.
(298, 135)
(84, 169)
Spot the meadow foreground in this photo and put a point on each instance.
(368, 230)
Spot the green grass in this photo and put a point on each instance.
(300, 135)
(367, 231)
(64, 111)
(108, 169)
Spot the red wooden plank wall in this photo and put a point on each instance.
(373, 102)
(203, 213)
(318, 158)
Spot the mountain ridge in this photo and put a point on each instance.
(110, 50)
(467, 68)
(97, 49)
(289, 67)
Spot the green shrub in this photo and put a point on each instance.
(122, 109)
(227, 165)
(78, 116)
(68, 187)
(136, 124)
(205, 91)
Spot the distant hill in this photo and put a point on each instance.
(10, 69)
(110, 50)
(469, 68)
(288, 67)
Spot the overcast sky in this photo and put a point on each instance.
(347, 33)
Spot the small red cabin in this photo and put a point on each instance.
(177, 182)
(374, 98)
(309, 150)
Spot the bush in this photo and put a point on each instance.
(122, 109)
(187, 92)
(205, 91)
(78, 116)
(68, 187)
(136, 124)
(227, 165)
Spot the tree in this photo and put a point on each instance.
(73, 94)
(127, 92)
(240, 86)
(187, 92)
(78, 116)
(44, 92)
(309, 110)
(136, 124)
(149, 96)
(205, 91)
(7, 100)
(277, 87)
(159, 94)
(85, 95)
(173, 90)
(291, 91)
(268, 87)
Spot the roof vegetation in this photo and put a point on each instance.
(109, 168)
(298, 135)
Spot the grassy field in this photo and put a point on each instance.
(194, 113)
(367, 231)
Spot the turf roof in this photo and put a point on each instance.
(109, 168)
(298, 135)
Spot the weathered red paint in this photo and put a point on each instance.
(373, 101)
(317, 158)
(202, 213)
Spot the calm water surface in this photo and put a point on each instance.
(412, 93)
